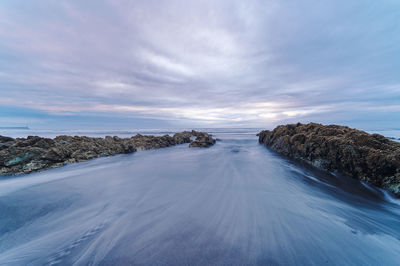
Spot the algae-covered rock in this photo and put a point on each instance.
(25, 155)
(371, 158)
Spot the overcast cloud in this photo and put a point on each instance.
(209, 63)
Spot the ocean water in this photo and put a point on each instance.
(236, 203)
(393, 134)
(51, 133)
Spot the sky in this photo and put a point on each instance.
(212, 63)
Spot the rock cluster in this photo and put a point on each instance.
(371, 158)
(203, 140)
(25, 155)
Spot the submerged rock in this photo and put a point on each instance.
(25, 155)
(371, 158)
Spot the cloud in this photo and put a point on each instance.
(251, 63)
(167, 64)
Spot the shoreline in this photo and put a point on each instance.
(34, 153)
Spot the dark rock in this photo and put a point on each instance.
(203, 140)
(25, 155)
(371, 158)
(5, 139)
(183, 137)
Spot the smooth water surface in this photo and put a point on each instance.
(236, 203)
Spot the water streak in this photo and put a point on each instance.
(233, 204)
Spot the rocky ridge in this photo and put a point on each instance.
(25, 155)
(371, 158)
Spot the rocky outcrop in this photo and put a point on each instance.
(371, 158)
(25, 155)
(203, 140)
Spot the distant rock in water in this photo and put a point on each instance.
(25, 155)
(371, 158)
(203, 140)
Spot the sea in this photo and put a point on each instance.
(392, 134)
(235, 203)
